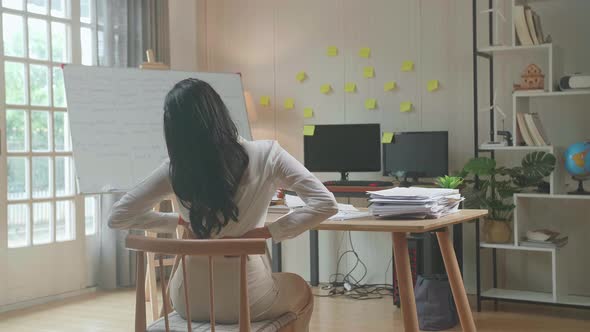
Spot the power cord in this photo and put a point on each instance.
(352, 287)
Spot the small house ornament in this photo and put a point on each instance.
(532, 78)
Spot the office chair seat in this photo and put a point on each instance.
(178, 324)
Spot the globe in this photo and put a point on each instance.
(577, 163)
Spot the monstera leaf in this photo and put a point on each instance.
(538, 164)
(480, 166)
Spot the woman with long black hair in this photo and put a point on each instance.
(224, 185)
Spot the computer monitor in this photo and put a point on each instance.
(343, 148)
(417, 154)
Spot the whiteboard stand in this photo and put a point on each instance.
(151, 286)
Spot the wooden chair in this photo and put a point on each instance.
(172, 322)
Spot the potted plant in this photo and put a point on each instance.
(492, 188)
(449, 182)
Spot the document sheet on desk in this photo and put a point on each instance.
(345, 211)
(414, 202)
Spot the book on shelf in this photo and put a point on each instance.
(520, 25)
(531, 25)
(527, 25)
(533, 122)
(531, 130)
(543, 238)
(522, 131)
(557, 243)
(538, 28)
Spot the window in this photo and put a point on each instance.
(37, 39)
(91, 204)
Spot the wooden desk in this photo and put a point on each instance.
(399, 228)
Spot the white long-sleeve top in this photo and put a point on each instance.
(270, 167)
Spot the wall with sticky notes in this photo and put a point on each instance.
(288, 50)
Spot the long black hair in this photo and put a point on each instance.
(206, 159)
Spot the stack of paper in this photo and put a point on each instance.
(414, 202)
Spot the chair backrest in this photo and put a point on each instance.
(183, 248)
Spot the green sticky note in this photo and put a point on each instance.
(308, 130)
(365, 52)
(325, 88)
(308, 112)
(289, 103)
(387, 138)
(408, 66)
(389, 86)
(432, 85)
(370, 104)
(332, 51)
(350, 87)
(301, 76)
(264, 100)
(405, 106)
(369, 72)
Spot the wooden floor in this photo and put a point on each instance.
(113, 311)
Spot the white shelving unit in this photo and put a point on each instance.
(521, 103)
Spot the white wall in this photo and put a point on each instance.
(270, 41)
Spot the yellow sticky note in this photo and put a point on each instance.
(389, 86)
(387, 138)
(365, 52)
(289, 103)
(265, 100)
(308, 130)
(369, 72)
(332, 51)
(405, 106)
(370, 104)
(301, 76)
(308, 112)
(408, 66)
(350, 87)
(325, 88)
(432, 85)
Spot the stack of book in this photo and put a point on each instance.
(531, 130)
(527, 24)
(414, 202)
(544, 238)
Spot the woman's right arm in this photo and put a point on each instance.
(135, 209)
(320, 203)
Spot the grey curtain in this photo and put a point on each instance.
(125, 29)
(149, 29)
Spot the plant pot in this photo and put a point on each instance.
(496, 231)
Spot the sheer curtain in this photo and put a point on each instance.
(124, 30)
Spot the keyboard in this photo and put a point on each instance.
(359, 183)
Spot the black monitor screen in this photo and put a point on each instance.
(343, 148)
(418, 154)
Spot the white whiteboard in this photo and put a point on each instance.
(116, 121)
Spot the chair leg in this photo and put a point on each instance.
(211, 296)
(140, 323)
(164, 298)
(186, 300)
(244, 306)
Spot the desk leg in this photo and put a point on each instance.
(404, 279)
(458, 244)
(457, 287)
(277, 257)
(314, 258)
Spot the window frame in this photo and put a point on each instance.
(73, 25)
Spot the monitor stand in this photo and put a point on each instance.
(343, 176)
